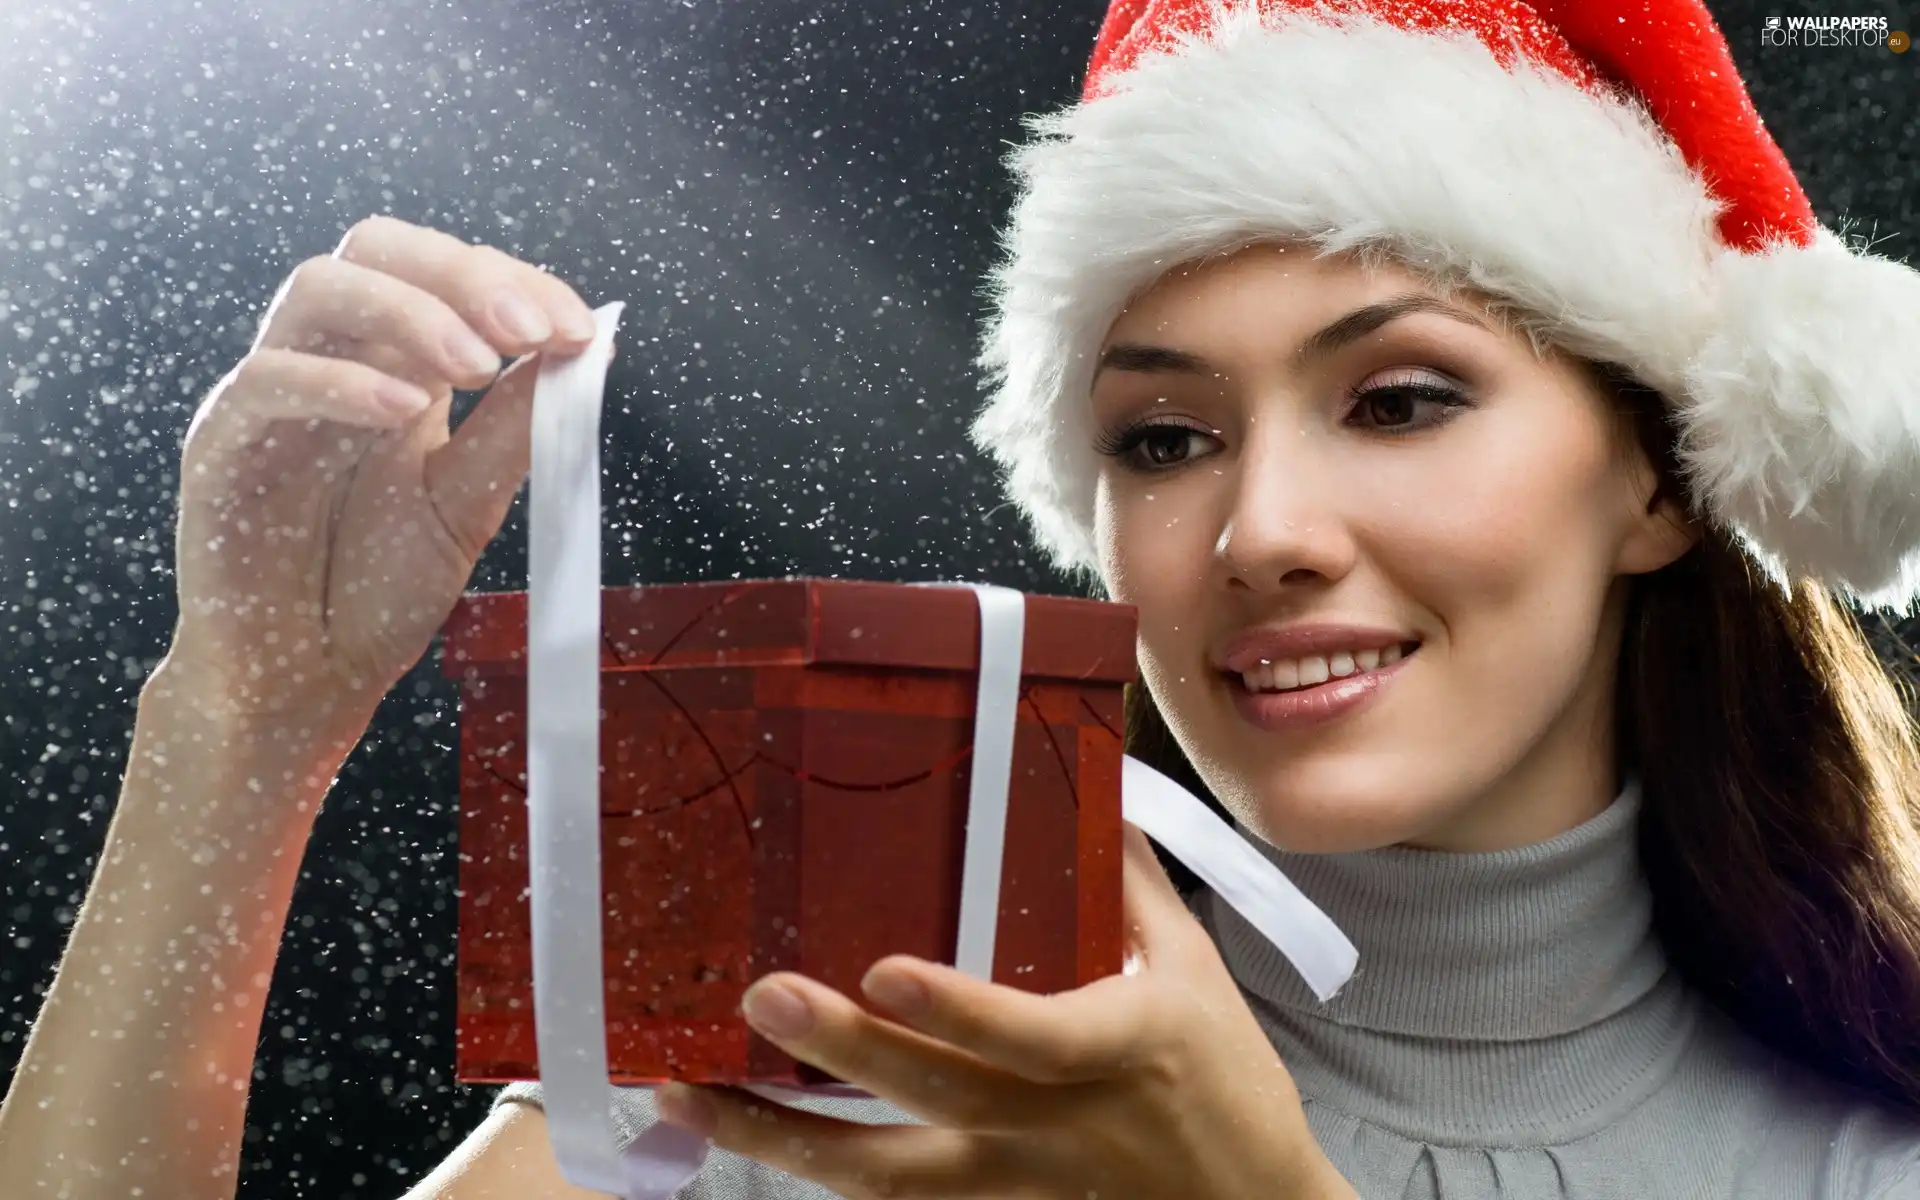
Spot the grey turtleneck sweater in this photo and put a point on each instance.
(1513, 1031)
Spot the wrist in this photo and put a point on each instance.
(316, 712)
(322, 724)
(196, 755)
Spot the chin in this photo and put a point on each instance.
(1334, 807)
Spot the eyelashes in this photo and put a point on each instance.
(1122, 442)
(1399, 409)
(1412, 392)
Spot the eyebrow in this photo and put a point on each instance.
(1131, 356)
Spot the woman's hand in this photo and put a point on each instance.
(328, 521)
(327, 525)
(1158, 1083)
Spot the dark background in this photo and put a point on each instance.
(798, 201)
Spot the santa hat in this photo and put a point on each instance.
(1596, 164)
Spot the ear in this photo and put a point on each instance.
(1660, 526)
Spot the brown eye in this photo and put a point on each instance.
(1389, 407)
(1166, 446)
(1157, 446)
(1405, 407)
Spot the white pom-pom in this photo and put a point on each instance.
(1802, 416)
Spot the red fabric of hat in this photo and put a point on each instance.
(1671, 55)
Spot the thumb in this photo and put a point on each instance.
(1158, 921)
(474, 477)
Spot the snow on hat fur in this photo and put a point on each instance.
(1597, 164)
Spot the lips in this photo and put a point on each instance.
(1291, 674)
(1317, 700)
(1262, 646)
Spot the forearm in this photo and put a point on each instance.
(134, 1080)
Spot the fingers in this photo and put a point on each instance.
(286, 385)
(475, 476)
(1090, 1033)
(818, 1025)
(1158, 920)
(424, 306)
(341, 309)
(1111, 1026)
(847, 1157)
(516, 306)
(1094, 1032)
(405, 313)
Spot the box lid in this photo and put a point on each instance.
(802, 621)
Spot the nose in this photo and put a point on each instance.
(1283, 526)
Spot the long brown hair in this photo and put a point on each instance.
(1780, 821)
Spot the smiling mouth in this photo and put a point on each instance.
(1317, 670)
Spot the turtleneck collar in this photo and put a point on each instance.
(1523, 943)
(1514, 992)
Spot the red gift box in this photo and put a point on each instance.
(784, 786)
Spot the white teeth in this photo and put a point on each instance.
(1314, 669)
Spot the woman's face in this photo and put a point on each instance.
(1377, 552)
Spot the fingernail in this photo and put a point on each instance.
(401, 397)
(521, 318)
(685, 1108)
(579, 325)
(896, 991)
(777, 1011)
(466, 350)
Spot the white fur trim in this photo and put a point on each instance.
(1571, 205)
(1804, 416)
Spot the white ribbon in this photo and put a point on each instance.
(1003, 631)
(563, 759)
(1239, 874)
(563, 804)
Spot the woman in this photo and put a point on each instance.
(1487, 457)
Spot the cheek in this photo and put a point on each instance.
(1155, 553)
(1153, 540)
(1509, 541)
